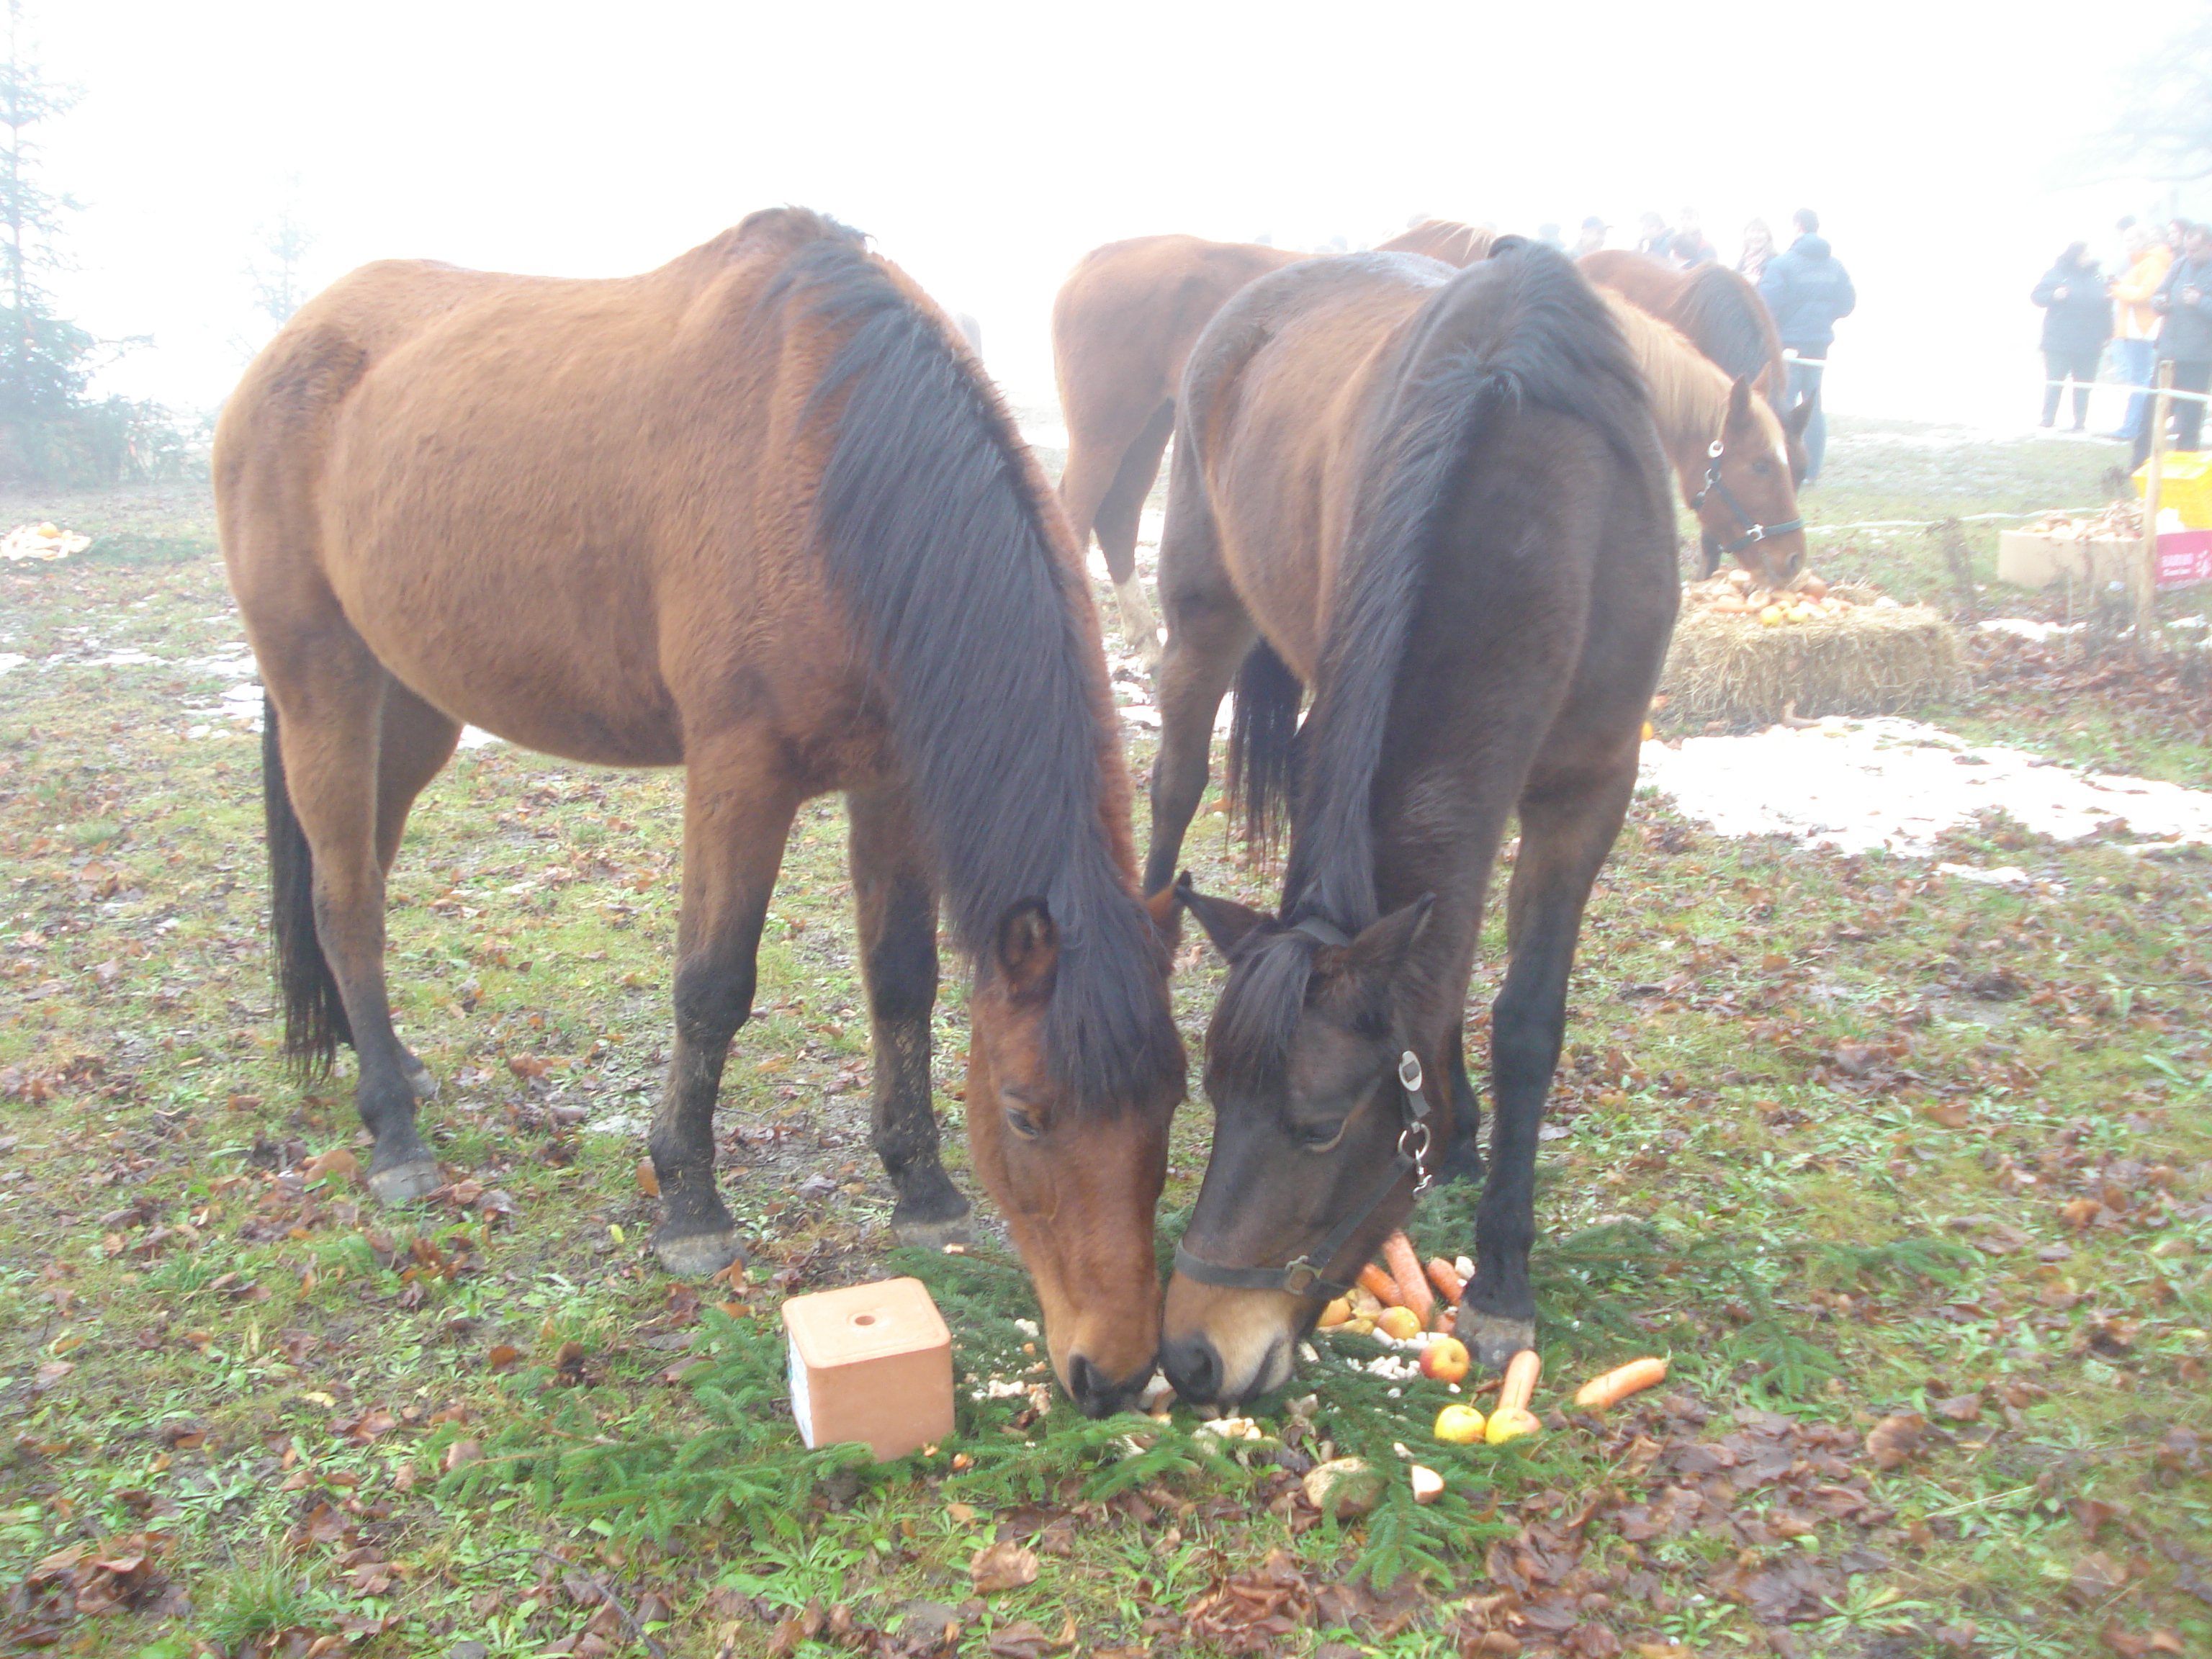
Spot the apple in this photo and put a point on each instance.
(1402, 1323)
(1445, 1359)
(1459, 1426)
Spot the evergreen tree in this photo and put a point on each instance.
(275, 272)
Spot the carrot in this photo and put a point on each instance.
(1450, 1285)
(1616, 1385)
(1380, 1286)
(1405, 1268)
(1521, 1374)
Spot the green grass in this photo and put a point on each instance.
(305, 1403)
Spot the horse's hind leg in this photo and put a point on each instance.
(1569, 818)
(897, 909)
(1118, 517)
(738, 808)
(414, 743)
(329, 692)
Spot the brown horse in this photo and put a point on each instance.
(1441, 504)
(757, 514)
(1122, 326)
(1726, 447)
(1716, 308)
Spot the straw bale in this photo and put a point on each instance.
(1864, 659)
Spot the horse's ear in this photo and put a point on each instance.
(1165, 908)
(1226, 922)
(1739, 412)
(1028, 948)
(1795, 422)
(1380, 951)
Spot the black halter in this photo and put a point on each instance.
(1755, 531)
(1302, 1276)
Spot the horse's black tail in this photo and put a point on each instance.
(314, 1017)
(1263, 730)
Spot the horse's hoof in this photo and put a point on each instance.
(1462, 1161)
(1492, 1340)
(700, 1255)
(402, 1183)
(934, 1235)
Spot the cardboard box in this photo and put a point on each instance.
(870, 1363)
(2027, 561)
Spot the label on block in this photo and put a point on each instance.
(872, 1362)
(2185, 557)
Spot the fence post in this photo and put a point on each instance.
(2147, 565)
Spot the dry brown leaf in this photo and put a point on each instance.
(1895, 1439)
(1002, 1566)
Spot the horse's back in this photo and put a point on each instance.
(545, 504)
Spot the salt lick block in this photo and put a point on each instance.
(870, 1363)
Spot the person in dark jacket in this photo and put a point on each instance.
(2185, 337)
(2077, 320)
(1807, 290)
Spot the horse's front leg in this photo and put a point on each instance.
(1568, 824)
(897, 911)
(738, 808)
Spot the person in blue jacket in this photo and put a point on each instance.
(1807, 290)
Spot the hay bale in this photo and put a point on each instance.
(1865, 659)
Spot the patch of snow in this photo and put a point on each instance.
(120, 660)
(1897, 785)
(11, 659)
(2021, 628)
(2005, 875)
(473, 737)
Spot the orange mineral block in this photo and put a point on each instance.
(873, 1363)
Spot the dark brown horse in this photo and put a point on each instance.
(757, 514)
(1438, 501)
(1122, 326)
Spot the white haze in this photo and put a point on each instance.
(985, 146)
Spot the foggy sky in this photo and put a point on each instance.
(986, 146)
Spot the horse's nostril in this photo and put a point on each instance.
(1194, 1368)
(1097, 1393)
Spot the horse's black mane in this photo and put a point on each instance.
(1723, 315)
(1522, 329)
(935, 535)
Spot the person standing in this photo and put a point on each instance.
(1652, 236)
(1758, 249)
(1690, 247)
(1548, 234)
(2077, 320)
(1808, 291)
(2183, 301)
(2134, 333)
(1593, 236)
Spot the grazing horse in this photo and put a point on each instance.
(1437, 499)
(758, 514)
(1122, 326)
(1730, 452)
(1717, 311)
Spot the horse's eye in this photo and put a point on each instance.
(1024, 1124)
(1318, 1137)
(1762, 467)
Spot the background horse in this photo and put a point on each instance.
(1440, 503)
(756, 513)
(1728, 449)
(1717, 311)
(1122, 327)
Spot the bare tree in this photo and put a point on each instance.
(2163, 129)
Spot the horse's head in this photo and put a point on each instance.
(1075, 1164)
(1302, 1064)
(1748, 506)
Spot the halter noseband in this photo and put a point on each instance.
(1756, 532)
(1302, 1275)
